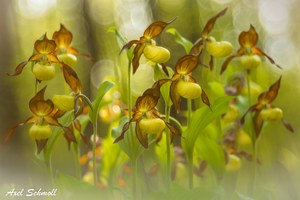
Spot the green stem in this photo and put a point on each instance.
(133, 156)
(168, 145)
(49, 167)
(77, 160)
(94, 153)
(254, 163)
(191, 169)
(189, 107)
(191, 152)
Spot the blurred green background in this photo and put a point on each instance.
(24, 21)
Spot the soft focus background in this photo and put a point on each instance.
(24, 21)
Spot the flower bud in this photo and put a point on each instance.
(232, 114)
(250, 61)
(233, 164)
(63, 102)
(243, 141)
(43, 72)
(68, 58)
(218, 49)
(152, 126)
(40, 132)
(271, 114)
(156, 54)
(188, 90)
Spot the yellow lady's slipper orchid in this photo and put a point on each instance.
(218, 49)
(188, 90)
(63, 102)
(43, 72)
(40, 132)
(271, 114)
(234, 163)
(156, 54)
(250, 61)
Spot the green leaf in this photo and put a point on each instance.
(165, 89)
(103, 89)
(209, 150)
(200, 119)
(187, 45)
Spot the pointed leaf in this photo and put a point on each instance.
(248, 39)
(187, 45)
(102, 90)
(200, 119)
(156, 28)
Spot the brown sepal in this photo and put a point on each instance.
(11, 131)
(211, 22)
(211, 63)
(71, 78)
(164, 68)
(142, 137)
(269, 96)
(39, 106)
(205, 99)
(197, 47)
(258, 123)
(128, 45)
(63, 37)
(174, 131)
(248, 39)
(45, 46)
(287, 125)
(40, 145)
(124, 129)
(227, 61)
(138, 51)
(186, 64)
(156, 28)
(18, 69)
(175, 97)
(258, 51)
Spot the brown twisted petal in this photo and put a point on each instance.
(175, 97)
(71, 78)
(156, 28)
(124, 129)
(138, 51)
(63, 37)
(40, 144)
(287, 125)
(142, 137)
(174, 131)
(211, 22)
(129, 44)
(11, 131)
(205, 98)
(248, 39)
(186, 64)
(258, 51)
(269, 96)
(18, 69)
(45, 46)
